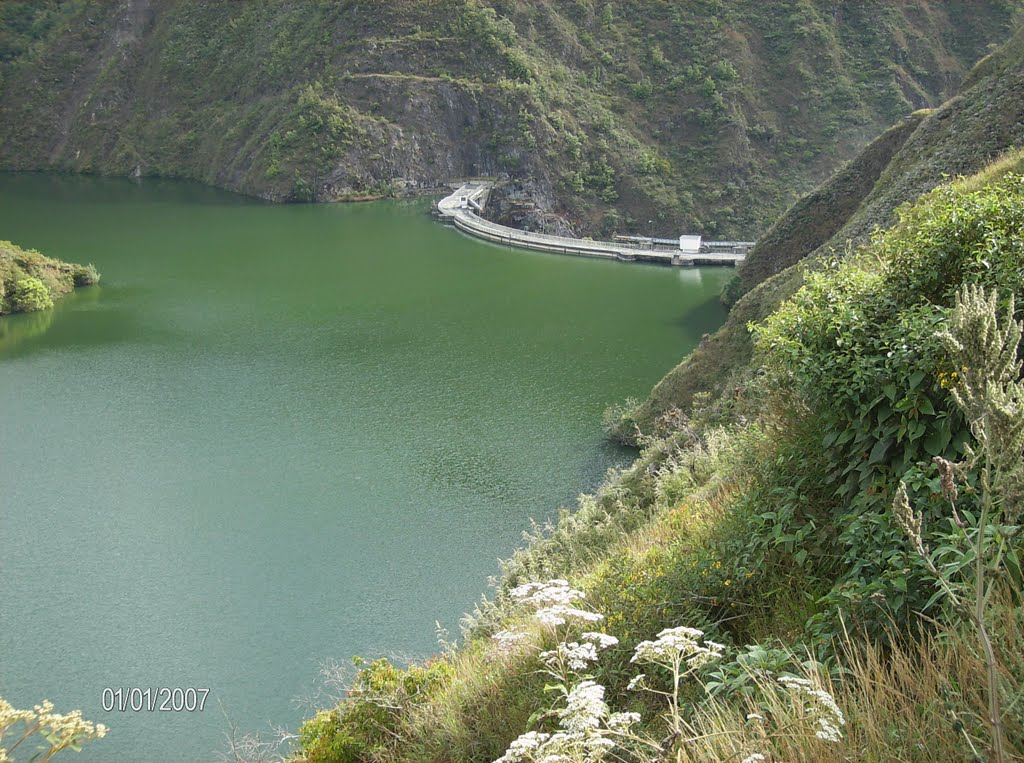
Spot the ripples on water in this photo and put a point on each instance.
(277, 434)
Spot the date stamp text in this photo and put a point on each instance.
(161, 700)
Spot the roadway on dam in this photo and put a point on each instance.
(462, 206)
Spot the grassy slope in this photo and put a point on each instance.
(756, 533)
(50, 278)
(961, 137)
(709, 116)
(764, 529)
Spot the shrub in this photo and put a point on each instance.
(85, 275)
(30, 294)
(855, 354)
(619, 422)
(732, 291)
(367, 721)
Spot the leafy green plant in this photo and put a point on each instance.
(984, 353)
(85, 275)
(29, 294)
(367, 720)
(856, 356)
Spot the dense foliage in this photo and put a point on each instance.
(977, 134)
(30, 281)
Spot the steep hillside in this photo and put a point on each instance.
(635, 115)
(984, 121)
(830, 573)
(819, 558)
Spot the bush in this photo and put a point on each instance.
(367, 721)
(855, 355)
(619, 421)
(324, 739)
(732, 291)
(30, 294)
(85, 275)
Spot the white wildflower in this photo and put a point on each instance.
(819, 704)
(576, 656)
(755, 758)
(603, 640)
(521, 748)
(675, 643)
(552, 592)
(61, 731)
(558, 614)
(826, 701)
(507, 638)
(793, 681)
(636, 682)
(828, 732)
(622, 721)
(702, 657)
(596, 746)
(755, 717)
(585, 708)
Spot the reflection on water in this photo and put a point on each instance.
(20, 333)
(691, 276)
(15, 329)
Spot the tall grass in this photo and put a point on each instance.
(910, 700)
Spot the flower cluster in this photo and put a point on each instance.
(507, 639)
(820, 705)
(677, 644)
(574, 655)
(559, 615)
(555, 600)
(61, 731)
(542, 594)
(586, 733)
(585, 708)
(602, 640)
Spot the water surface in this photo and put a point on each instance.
(279, 434)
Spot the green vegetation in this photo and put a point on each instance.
(633, 115)
(30, 281)
(982, 123)
(825, 567)
(381, 695)
(817, 553)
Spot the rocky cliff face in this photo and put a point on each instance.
(635, 115)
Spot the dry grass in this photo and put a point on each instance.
(922, 700)
(487, 705)
(1011, 161)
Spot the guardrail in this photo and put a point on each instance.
(458, 208)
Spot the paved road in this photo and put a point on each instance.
(467, 220)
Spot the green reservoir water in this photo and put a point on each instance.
(280, 434)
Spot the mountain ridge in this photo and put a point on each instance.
(629, 116)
